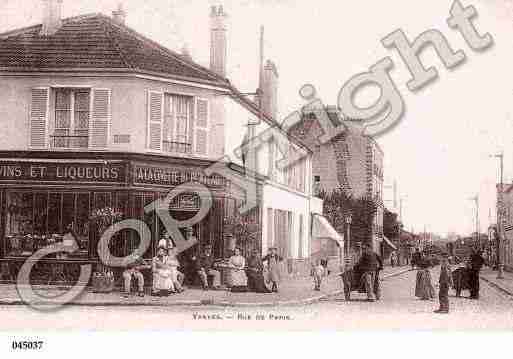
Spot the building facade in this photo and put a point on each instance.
(351, 161)
(505, 211)
(99, 122)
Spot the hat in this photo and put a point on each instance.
(165, 243)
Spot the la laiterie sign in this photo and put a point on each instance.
(62, 172)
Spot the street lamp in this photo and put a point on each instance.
(500, 225)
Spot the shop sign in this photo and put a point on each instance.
(62, 172)
(175, 176)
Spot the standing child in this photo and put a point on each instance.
(318, 271)
(444, 282)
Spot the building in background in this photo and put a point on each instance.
(352, 162)
(505, 210)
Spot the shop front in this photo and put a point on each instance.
(49, 198)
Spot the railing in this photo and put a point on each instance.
(177, 147)
(68, 141)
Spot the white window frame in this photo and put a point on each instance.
(72, 129)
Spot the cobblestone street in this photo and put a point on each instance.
(399, 310)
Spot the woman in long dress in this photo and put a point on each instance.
(162, 274)
(424, 287)
(273, 266)
(254, 272)
(173, 263)
(239, 280)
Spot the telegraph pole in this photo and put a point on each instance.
(476, 201)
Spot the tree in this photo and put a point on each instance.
(338, 205)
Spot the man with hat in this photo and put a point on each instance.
(444, 283)
(205, 268)
(476, 262)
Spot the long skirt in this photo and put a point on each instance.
(163, 280)
(256, 282)
(239, 278)
(423, 287)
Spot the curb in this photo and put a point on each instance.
(214, 303)
(497, 286)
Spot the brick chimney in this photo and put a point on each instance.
(51, 17)
(270, 90)
(218, 43)
(119, 15)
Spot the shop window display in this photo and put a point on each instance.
(37, 219)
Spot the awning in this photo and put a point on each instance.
(322, 229)
(390, 244)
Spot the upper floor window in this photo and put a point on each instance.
(72, 113)
(69, 118)
(177, 124)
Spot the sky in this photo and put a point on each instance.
(439, 154)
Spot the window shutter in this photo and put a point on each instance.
(39, 117)
(99, 131)
(201, 132)
(155, 119)
(169, 123)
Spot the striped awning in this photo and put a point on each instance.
(322, 229)
(390, 244)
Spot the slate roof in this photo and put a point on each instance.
(96, 42)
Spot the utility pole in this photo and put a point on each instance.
(500, 224)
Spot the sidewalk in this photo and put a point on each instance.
(504, 285)
(292, 292)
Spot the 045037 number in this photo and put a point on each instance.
(27, 345)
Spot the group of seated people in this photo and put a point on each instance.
(246, 274)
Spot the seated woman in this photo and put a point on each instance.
(162, 274)
(239, 279)
(176, 275)
(254, 272)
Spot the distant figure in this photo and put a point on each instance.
(318, 273)
(476, 263)
(444, 283)
(393, 259)
(423, 286)
(416, 258)
(273, 266)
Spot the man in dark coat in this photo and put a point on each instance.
(476, 262)
(369, 265)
